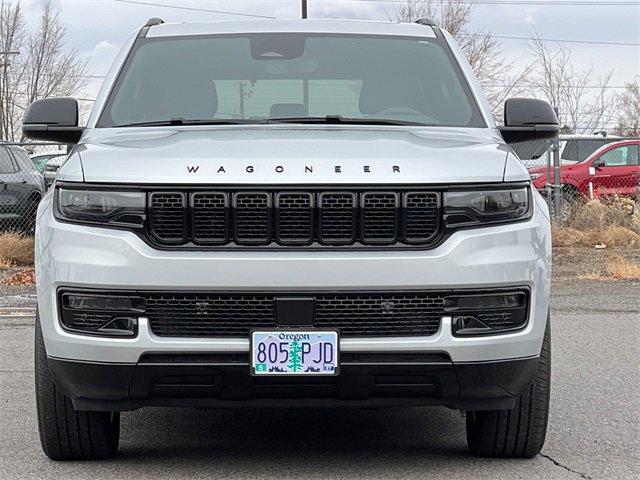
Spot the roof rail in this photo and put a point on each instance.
(427, 21)
(153, 21)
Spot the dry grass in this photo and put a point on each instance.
(614, 223)
(622, 268)
(617, 267)
(15, 250)
(600, 215)
(5, 263)
(567, 237)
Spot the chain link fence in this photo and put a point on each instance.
(26, 170)
(573, 170)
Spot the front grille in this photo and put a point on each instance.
(252, 218)
(337, 218)
(167, 216)
(295, 218)
(421, 210)
(295, 212)
(209, 217)
(352, 314)
(380, 217)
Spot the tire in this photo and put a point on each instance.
(65, 433)
(517, 433)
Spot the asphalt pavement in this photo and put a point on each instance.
(594, 427)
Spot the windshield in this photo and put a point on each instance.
(261, 77)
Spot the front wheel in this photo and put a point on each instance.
(517, 433)
(65, 433)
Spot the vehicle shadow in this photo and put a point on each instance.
(250, 441)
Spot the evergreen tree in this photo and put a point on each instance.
(295, 357)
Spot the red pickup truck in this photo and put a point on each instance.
(611, 170)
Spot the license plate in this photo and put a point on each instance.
(294, 352)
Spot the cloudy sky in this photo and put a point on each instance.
(97, 28)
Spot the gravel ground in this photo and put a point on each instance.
(594, 429)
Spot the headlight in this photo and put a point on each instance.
(535, 176)
(101, 207)
(482, 207)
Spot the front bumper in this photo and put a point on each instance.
(75, 256)
(210, 380)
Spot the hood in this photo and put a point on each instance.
(293, 154)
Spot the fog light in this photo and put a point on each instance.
(487, 313)
(485, 302)
(103, 302)
(100, 313)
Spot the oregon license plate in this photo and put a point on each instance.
(294, 352)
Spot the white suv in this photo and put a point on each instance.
(292, 213)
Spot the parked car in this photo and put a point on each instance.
(21, 188)
(577, 148)
(356, 232)
(41, 160)
(611, 170)
(573, 149)
(51, 169)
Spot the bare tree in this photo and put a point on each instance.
(581, 96)
(629, 110)
(480, 48)
(12, 39)
(34, 64)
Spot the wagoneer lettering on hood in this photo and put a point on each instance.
(283, 154)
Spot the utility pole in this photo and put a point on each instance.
(304, 8)
(557, 181)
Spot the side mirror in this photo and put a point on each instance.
(53, 120)
(598, 163)
(528, 119)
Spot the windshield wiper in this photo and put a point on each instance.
(328, 119)
(337, 119)
(195, 121)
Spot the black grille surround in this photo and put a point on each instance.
(295, 217)
(203, 314)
